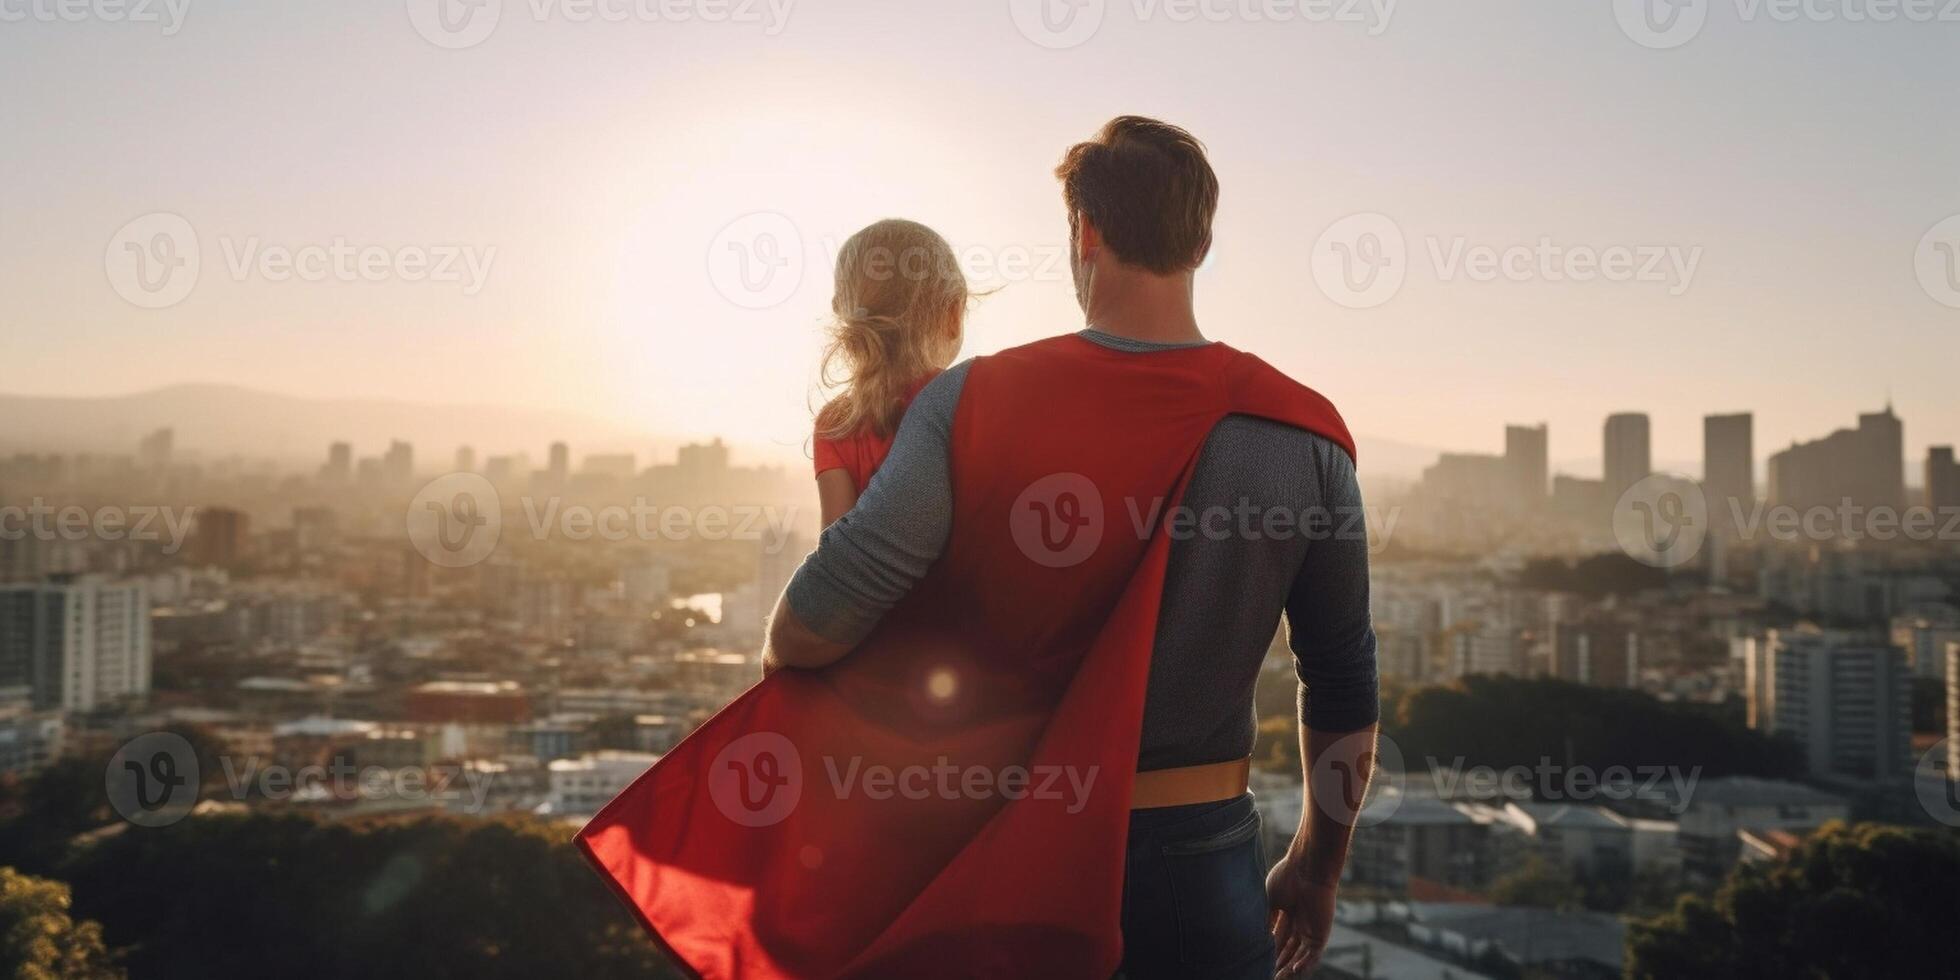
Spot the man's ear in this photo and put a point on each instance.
(1088, 238)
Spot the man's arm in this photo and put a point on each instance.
(873, 555)
(1333, 642)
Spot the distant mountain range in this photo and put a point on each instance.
(214, 421)
(222, 420)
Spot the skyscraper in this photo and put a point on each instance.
(153, 452)
(398, 467)
(219, 536)
(560, 467)
(339, 467)
(1728, 466)
(1864, 466)
(1846, 698)
(1525, 456)
(76, 642)
(1629, 454)
(465, 459)
(1942, 478)
(1953, 712)
(1598, 651)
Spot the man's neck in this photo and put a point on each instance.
(1140, 306)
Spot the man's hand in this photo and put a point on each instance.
(789, 643)
(1302, 915)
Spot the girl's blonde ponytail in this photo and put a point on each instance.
(899, 300)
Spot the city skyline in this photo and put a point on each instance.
(1408, 458)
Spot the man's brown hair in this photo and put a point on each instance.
(1147, 186)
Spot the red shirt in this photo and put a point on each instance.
(862, 452)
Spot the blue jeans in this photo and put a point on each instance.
(1194, 894)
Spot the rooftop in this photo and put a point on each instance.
(1532, 935)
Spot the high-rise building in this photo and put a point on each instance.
(1953, 712)
(398, 467)
(219, 536)
(507, 469)
(1526, 457)
(1469, 481)
(1942, 478)
(1864, 466)
(1846, 698)
(339, 467)
(1629, 453)
(560, 467)
(610, 466)
(1599, 652)
(153, 452)
(315, 528)
(703, 459)
(1728, 466)
(1924, 635)
(76, 642)
(465, 459)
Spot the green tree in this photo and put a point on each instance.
(1864, 900)
(1509, 721)
(236, 894)
(1537, 884)
(38, 938)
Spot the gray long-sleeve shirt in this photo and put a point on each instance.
(1225, 588)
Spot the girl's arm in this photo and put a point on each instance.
(836, 495)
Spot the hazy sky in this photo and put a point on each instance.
(1796, 165)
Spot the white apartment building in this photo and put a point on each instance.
(78, 642)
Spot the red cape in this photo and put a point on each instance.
(952, 798)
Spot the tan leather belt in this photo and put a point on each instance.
(1186, 785)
